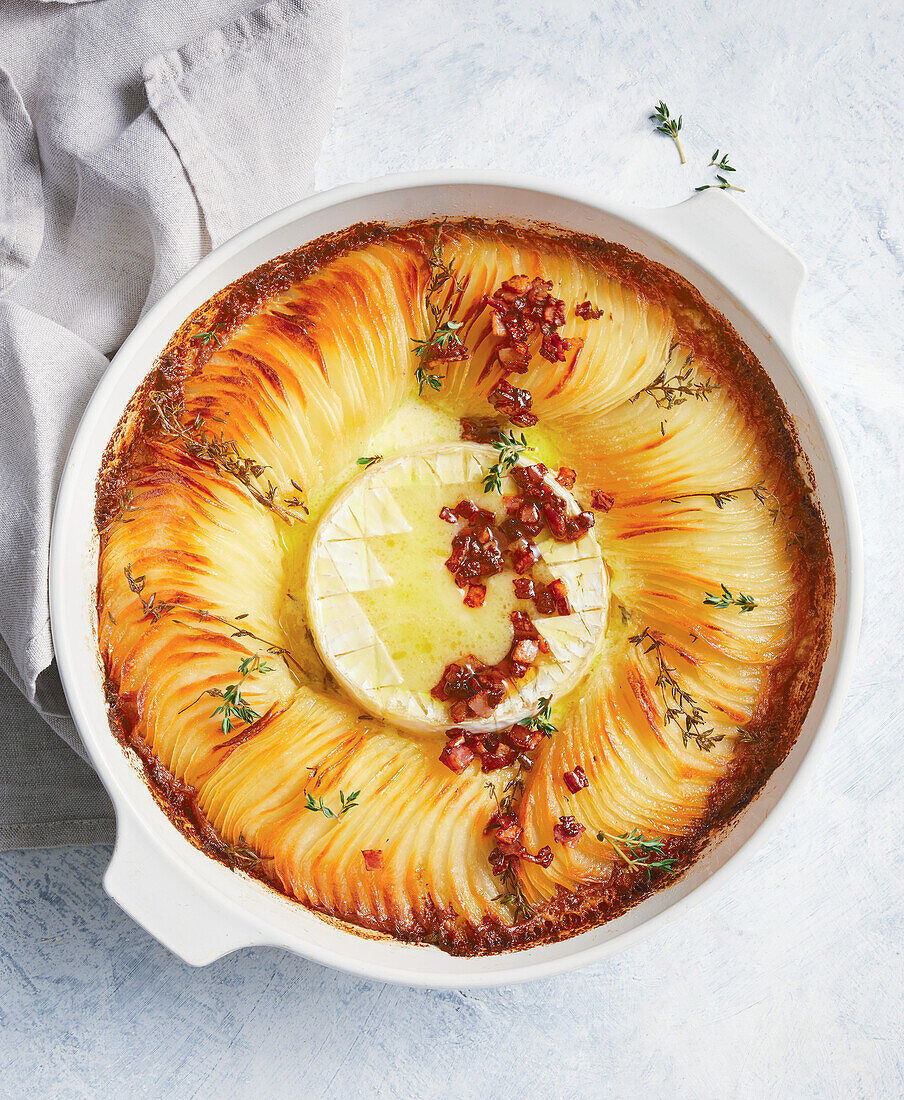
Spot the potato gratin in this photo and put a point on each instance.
(459, 580)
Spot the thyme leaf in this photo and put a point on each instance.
(639, 853)
(722, 164)
(680, 706)
(722, 185)
(425, 378)
(513, 896)
(542, 720)
(243, 856)
(235, 706)
(221, 453)
(668, 391)
(346, 803)
(510, 448)
(726, 599)
(369, 461)
(443, 341)
(668, 125)
(206, 337)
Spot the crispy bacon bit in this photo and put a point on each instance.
(459, 711)
(524, 555)
(566, 477)
(568, 831)
(522, 626)
(479, 429)
(474, 688)
(476, 551)
(456, 757)
(522, 308)
(524, 588)
(513, 402)
(588, 312)
(523, 737)
(601, 500)
(469, 512)
(373, 858)
(500, 756)
(535, 491)
(510, 844)
(504, 821)
(576, 780)
(559, 592)
(475, 595)
(524, 651)
(447, 514)
(544, 602)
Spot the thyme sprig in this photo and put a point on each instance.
(680, 706)
(722, 164)
(668, 125)
(221, 453)
(726, 599)
(443, 337)
(243, 856)
(638, 852)
(542, 720)
(722, 185)
(668, 391)
(346, 802)
(368, 461)
(423, 378)
(155, 609)
(206, 337)
(725, 496)
(234, 707)
(513, 895)
(510, 448)
(514, 788)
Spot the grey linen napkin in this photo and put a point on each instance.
(134, 137)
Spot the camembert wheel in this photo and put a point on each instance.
(460, 581)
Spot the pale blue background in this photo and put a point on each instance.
(788, 981)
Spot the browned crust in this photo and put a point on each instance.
(792, 682)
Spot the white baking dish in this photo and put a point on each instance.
(200, 909)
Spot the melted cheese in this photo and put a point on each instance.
(388, 617)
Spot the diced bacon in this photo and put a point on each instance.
(475, 595)
(456, 757)
(524, 588)
(523, 737)
(568, 832)
(576, 780)
(588, 312)
(559, 592)
(500, 757)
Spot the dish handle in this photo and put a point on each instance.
(159, 894)
(720, 236)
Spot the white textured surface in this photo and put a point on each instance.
(788, 981)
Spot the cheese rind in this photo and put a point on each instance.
(387, 617)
